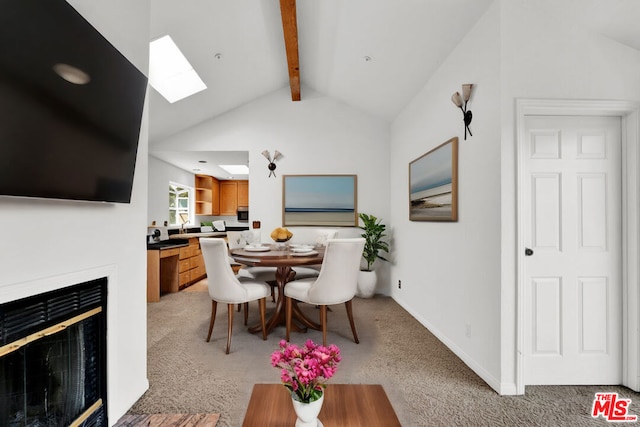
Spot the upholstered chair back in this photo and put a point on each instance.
(224, 287)
(338, 278)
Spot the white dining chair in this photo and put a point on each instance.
(236, 240)
(225, 287)
(336, 283)
(320, 237)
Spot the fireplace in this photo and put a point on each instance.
(53, 358)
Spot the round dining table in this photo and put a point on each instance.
(284, 259)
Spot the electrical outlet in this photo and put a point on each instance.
(399, 284)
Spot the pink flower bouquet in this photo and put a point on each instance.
(304, 371)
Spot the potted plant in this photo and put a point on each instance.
(373, 232)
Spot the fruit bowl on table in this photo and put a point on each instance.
(281, 235)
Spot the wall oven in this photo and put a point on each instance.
(243, 213)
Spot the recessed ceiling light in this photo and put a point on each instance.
(170, 73)
(71, 74)
(368, 59)
(202, 161)
(236, 169)
(218, 56)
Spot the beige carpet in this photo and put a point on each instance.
(200, 286)
(426, 383)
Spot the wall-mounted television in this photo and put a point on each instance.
(65, 139)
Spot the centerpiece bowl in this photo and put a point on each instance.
(281, 235)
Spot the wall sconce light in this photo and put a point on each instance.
(461, 102)
(272, 161)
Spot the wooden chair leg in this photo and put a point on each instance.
(263, 322)
(214, 306)
(273, 285)
(323, 323)
(288, 309)
(349, 306)
(230, 310)
(246, 313)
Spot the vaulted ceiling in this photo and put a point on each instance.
(371, 54)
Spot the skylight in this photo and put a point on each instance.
(236, 169)
(170, 73)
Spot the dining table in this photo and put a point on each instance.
(284, 258)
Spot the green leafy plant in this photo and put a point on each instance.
(374, 239)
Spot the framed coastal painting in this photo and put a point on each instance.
(319, 200)
(433, 184)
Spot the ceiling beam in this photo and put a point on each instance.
(290, 30)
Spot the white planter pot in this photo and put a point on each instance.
(366, 283)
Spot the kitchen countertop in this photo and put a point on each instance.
(190, 235)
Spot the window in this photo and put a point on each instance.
(180, 211)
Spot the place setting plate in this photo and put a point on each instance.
(257, 248)
(306, 253)
(301, 249)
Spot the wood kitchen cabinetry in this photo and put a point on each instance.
(204, 194)
(243, 193)
(233, 194)
(215, 197)
(173, 269)
(190, 264)
(228, 197)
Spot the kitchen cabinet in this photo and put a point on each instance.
(243, 193)
(162, 272)
(204, 194)
(233, 193)
(173, 269)
(190, 264)
(228, 197)
(215, 197)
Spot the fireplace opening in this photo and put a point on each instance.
(53, 358)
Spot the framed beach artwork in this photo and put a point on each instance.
(319, 200)
(433, 184)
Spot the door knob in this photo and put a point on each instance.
(528, 252)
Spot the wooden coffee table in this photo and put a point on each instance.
(345, 405)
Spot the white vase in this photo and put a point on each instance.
(308, 412)
(366, 283)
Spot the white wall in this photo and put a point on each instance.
(318, 135)
(47, 241)
(160, 174)
(544, 58)
(463, 275)
(450, 272)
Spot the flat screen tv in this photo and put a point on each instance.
(60, 139)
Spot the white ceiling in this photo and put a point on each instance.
(191, 161)
(406, 40)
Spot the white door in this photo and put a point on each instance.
(572, 231)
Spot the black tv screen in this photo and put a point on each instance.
(59, 139)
